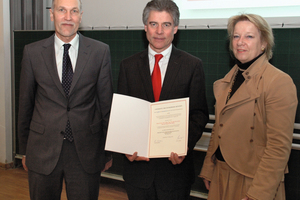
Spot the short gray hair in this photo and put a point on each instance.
(79, 5)
(162, 5)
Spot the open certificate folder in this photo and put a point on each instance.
(154, 130)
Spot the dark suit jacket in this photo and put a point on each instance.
(44, 107)
(184, 78)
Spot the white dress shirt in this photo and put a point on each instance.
(163, 63)
(59, 52)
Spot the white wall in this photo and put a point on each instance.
(116, 14)
(6, 135)
(107, 14)
(127, 14)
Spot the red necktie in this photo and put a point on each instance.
(156, 78)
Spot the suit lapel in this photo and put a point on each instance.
(83, 55)
(48, 55)
(246, 92)
(221, 88)
(172, 70)
(144, 70)
(170, 77)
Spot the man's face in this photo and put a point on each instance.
(66, 16)
(160, 30)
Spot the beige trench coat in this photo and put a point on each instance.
(255, 128)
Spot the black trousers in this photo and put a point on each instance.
(79, 184)
(154, 193)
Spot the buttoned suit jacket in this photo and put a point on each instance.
(255, 128)
(44, 107)
(184, 78)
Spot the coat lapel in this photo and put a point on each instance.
(246, 92)
(82, 59)
(221, 88)
(48, 55)
(172, 70)
(144, 70)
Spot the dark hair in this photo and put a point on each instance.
(162, 5)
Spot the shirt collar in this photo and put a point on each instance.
(166, 53)
(74, 42)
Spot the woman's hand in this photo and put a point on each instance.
(207, 184)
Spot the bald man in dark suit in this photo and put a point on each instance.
(65, 99)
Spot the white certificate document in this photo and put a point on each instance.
(154, 130)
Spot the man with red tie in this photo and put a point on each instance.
(163, 72)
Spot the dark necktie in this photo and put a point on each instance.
(67, 71)
(156, 78)
(67, 76)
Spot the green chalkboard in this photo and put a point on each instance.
(209, 45)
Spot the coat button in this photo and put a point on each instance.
(221, 125)
(252, 127)
(68, 109)
(251, 140)
(219, 137)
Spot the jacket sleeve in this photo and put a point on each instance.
(208, 165)
(198, 115)
(280, 108)
(26, 100)
(105, 92)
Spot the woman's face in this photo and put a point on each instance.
(246, 42)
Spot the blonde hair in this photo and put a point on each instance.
(266, 34)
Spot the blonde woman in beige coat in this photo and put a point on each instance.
(255, 111)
